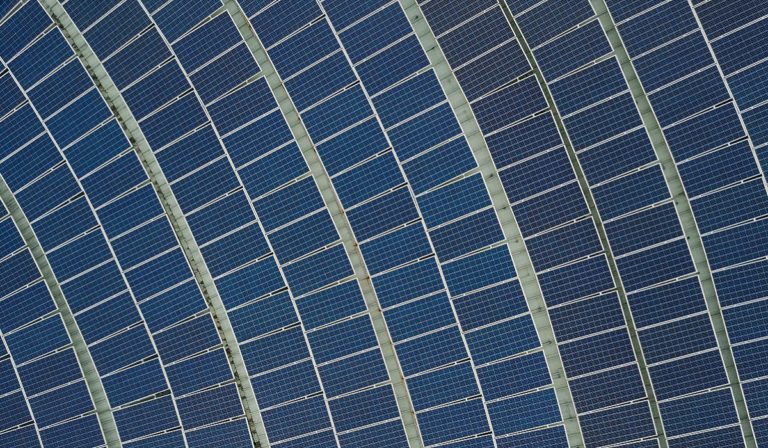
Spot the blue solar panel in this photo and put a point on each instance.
(364, 408)
(615, 116)
(597, 352)
(530, 214)
(178, 17)
(746, 322)
(479, 270)
(251, 282)
(586, 317)
(207, 407)
(342, 339)
(292, 14)
(331, 304)
(172, 306)
(25, 306)
(689, 96)
(235, 432)
(276, 350)
(439, 165)
(221, 217)
(524, 412)
(467, 235)
(670, 301)
(296, 418)
(320, 81)
(205, 42)
(607, 388)
(554, 436)
(514, 376)
(134, 383)
(382, 214)
(26, 23)
(121, 350)
(97, 148)
(49, 372)
(368, 180)
(409, 98)
(575, 49)
(375, 32)
(117, 28)
(146, 418)
(490, 305)
(321, 269)
(735, 245)
(61, 404)
(419, 317)
(640, 269)
(503, 339)
(82, 431)
(408, 282)
(157, 89)
(431, 351)
(40, 58)
(261, 317)
(47, 193)
(141, 55)
(339, 112)
(454, 200)
(114, 179)
(107, 318)
(643, 229)
(424, 131)
(749, 87)
(714, 409)
(62, 87)
(308, 235)
(617, 424)
(564, 244)
(459, 420)
(20, 127)
(235, 250)
(392, 65)
(303, 49)
(730, 49)
(755, 120)
(594, 83)
(678, 338)
(353, 373)
(485, 32)
(511, 104)
(286, 384)
(187, 338)
(673, 61)
(741, 284)
(657, 27)
(224, 73)
(492, 70)
(443, 386)
(631, 192)
(396, 248)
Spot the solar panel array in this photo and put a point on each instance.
(275, 223)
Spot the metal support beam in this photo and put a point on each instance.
(683, 208)
(332, 203)
(91, 375)
(513, 237)
(171, 207)
(590, 200)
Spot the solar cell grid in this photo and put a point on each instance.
(409, 185)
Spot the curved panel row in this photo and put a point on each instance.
(584, 172)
